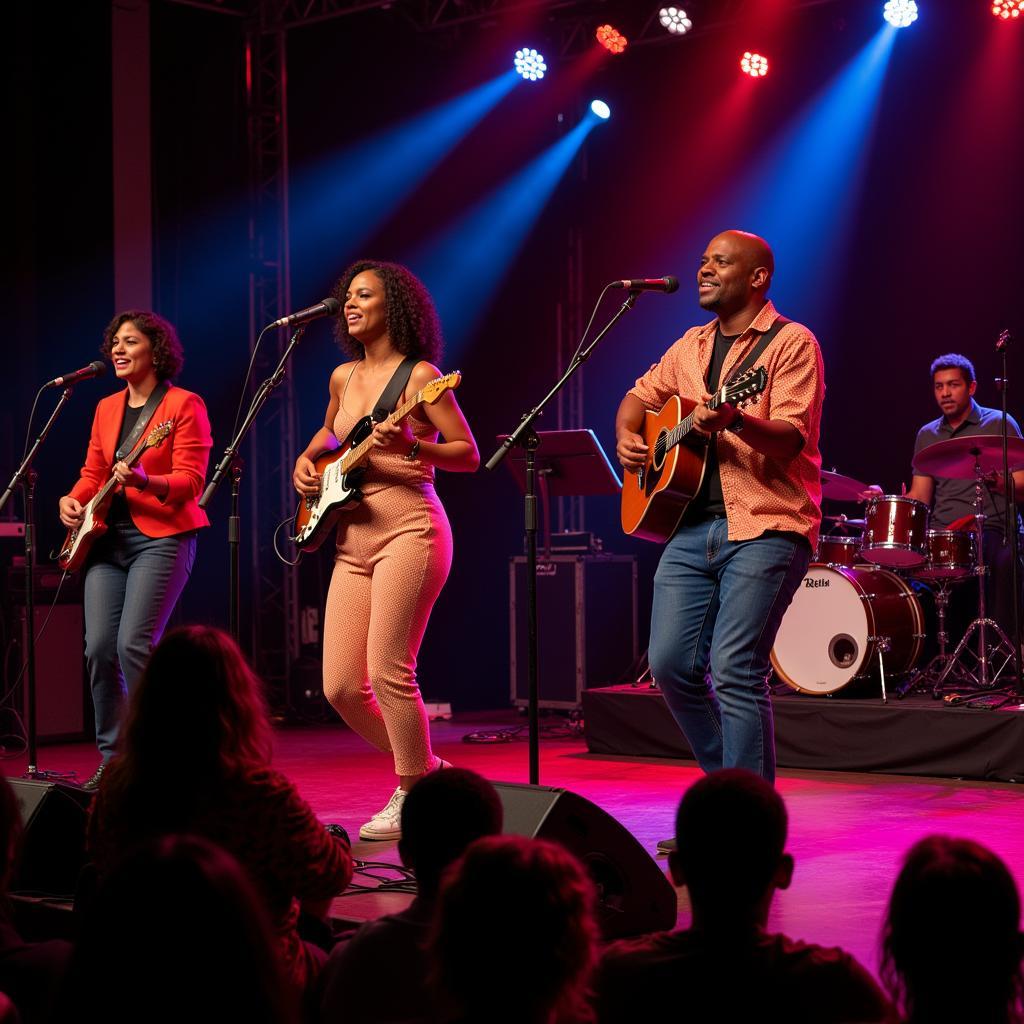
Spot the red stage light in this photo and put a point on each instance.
(1007, 9)
(754, 64)
(611, 38)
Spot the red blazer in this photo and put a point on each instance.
(182, 458)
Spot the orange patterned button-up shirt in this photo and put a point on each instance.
(761, 492)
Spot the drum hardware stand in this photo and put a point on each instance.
(884, 647)
(926, 677)
(983, 678)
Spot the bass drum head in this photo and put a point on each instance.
(822, 643)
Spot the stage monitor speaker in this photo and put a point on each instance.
(53, 816)
(634, 896)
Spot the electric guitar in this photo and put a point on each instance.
(341, 470)
(79, 541)
(655, 498)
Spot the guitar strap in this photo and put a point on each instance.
(762, 343)
(393, 392)
(156, 396)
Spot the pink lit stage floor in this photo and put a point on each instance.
(847, 831)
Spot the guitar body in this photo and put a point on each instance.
(317, 514)
(654, 500)
(78, 543)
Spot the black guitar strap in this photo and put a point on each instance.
(393, 392)
(762, 343)
(156, 396)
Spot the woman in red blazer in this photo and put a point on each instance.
(137, 570)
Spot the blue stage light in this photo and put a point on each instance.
(900, 13)
(530, 64)
(601, 109)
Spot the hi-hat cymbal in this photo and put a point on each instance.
(958, 456)
(840, 488)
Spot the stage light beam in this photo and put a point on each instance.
(529, 64)
(601, 109)
(1007, 9)
(611, 38)
(754, 64)
(674, 20)
(900, 13)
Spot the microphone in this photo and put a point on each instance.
(94, 369)
(328, 307)
(649, 284)
(1004, 339)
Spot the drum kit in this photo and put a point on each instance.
(860, 612)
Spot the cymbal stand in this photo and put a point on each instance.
(926, 677)
(979, 666)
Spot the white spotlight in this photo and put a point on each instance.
(601, 109)
(900, 13)
(674, 20)
(530, 64)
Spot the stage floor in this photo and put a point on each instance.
(847, 831)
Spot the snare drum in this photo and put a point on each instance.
(952, 555)
(895, 532)
(838, 621)
(838, 550)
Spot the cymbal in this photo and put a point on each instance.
(957, 457)
(843, 520)
(840, 488)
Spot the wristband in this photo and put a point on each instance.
(143, 485)
(737, 423)
(413, 451)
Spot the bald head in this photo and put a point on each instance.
(735, 273)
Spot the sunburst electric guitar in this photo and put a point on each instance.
(341, 469)
(78, 542)
(654, 500)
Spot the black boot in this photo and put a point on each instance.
(93, 783)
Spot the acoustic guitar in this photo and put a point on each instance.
(655, 498)
(342, 468)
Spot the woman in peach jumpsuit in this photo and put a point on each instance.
(394, 549)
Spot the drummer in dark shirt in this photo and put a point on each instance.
(952, 500)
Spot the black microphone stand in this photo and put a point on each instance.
(230, 462)
(524, 436)
(1010, 523)
(26, 476)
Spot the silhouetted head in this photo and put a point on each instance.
(514, 935)
(951, 942)
(444, 812)
(731, 835)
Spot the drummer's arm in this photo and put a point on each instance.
(922, 488)
(1018, 485)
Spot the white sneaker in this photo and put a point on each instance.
(386, 823)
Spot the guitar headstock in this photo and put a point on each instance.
(745, 387)
(159, 434)
(436, 388)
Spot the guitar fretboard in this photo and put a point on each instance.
(358, 454)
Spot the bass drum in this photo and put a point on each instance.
(839, 619)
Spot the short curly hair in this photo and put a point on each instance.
(412, 321)
(955, 361)
(168, 355)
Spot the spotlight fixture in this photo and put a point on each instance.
(754, 64)
(674, 20)
(530, 64)
(601, 109)
(1007, 9)
(611, 38)
(900, 13)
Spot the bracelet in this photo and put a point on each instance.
(142, 487)
(737, 423)
(413, 451)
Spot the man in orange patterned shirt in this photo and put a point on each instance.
(729, 572)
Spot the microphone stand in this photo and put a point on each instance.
(1010, 524)
(230, 462)
(524, 436)
(26, 476)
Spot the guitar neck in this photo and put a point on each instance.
(129, 460)
(685, 425)
(358, 455)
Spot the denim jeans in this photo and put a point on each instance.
(132, 584)
(718, 604)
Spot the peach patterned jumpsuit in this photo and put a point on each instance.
(393, 556)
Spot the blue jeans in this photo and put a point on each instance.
(132, 584)
(718, 604)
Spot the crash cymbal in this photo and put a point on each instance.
(958, 456)
(840, 488)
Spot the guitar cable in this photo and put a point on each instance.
(277, 550)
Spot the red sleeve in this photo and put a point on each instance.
(191, 442)
(95, 473)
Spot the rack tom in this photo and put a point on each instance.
(952, 555)
(838, 551)
(895, 532)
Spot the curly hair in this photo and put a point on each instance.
(409, 313)
(955, 361)
(540, 925)
(168, 355)
(953, 894)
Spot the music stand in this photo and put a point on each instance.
(570, 464)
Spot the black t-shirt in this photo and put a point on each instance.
(118, 505)
(709, 501)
